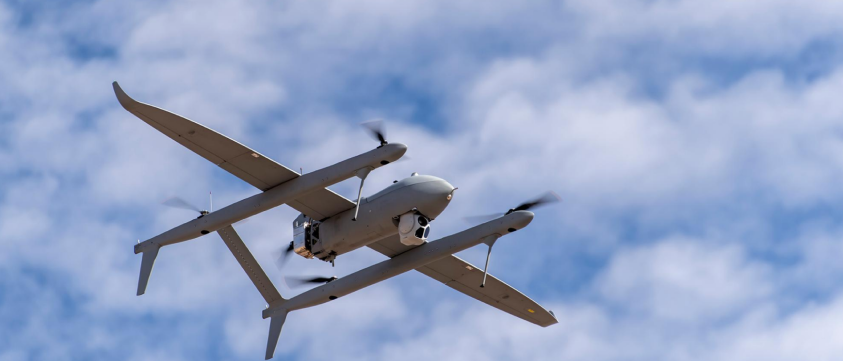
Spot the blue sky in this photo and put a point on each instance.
(696, 145)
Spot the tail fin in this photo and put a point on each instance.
(276, 322)
(147, 262)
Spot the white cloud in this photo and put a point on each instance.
(684, 281)
(525, 97)
(810, 334)
(732, 29)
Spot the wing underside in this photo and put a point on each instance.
(241, 161)
(466, 278)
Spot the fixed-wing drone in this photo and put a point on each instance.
(394, 222)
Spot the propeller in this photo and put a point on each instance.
(280, 256)
(546, 198)
(296, 281)
(377, 130)
(176, 202)
(299, 281)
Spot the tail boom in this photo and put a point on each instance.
(409, 260)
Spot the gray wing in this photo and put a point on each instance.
(464, 277)
(321, 204)
(241, 161)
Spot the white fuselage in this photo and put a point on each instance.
(378, 214)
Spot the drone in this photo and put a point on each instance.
(394, 222)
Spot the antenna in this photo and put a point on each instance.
(211, 196)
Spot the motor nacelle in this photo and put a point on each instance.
(413, 228)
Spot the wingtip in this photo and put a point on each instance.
(117, 89)
(555, 320)
(125, 100)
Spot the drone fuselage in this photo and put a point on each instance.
(403, 209)
(378, 217)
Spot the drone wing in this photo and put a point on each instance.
(241, 161)
(466, 278)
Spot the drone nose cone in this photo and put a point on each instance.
(428, 194)
(437, 194)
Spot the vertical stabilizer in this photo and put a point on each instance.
(276, 322)
(146, 268)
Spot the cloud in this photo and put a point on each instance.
(756, 28)
(683, 281)
(696, 148)
(810, 334)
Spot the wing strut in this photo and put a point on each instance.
(490, 242)
(362, 173)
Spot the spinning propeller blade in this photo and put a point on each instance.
(307, 280)
(295, 281)
(176, 202)
(546, 198)
(280, 257)
(376, 129)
